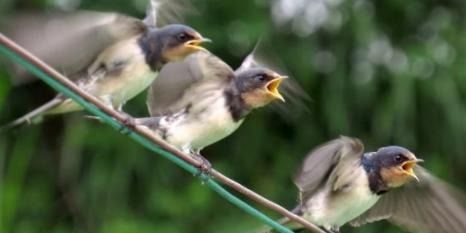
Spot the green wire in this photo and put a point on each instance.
(143, 141)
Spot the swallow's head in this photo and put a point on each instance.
(178, 41)
(396, 165)
(259, 86)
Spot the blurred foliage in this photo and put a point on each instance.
(388, 72)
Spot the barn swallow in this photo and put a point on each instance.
(130, 56)
(207, 102)
(339, 183)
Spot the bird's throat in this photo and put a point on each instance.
(236, 105)
(376, 183)
(152, 52)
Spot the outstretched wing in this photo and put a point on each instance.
(429, 205)
(325, 162)
(69, 41)
(163, 12)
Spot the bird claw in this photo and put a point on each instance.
(127, 120)
(205, 166)
(129, 123)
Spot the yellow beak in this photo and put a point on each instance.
(408, 166)
(195, 43)
(272, 87)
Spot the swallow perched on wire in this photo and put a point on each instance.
(207, 102)
(125, 56)
(339, 183)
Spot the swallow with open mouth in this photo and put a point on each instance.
(207, 102)
(125, 56)
(339, 183)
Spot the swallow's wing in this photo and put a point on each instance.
(166, 92)
(162, 12)
(429, 205)
(250, 61)
(70, 41)
(326, 163)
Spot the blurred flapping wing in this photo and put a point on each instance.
(162, 12)
(69, 42)
(326, 162)
(429, 205)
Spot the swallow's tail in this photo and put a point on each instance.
(33, 116)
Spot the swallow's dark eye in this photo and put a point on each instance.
(183, 37)
(261, 77)
(398, 158)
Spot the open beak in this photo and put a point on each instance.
(195, 43)
(272, 87)
(408, 166)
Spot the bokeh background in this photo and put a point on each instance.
(388, 72)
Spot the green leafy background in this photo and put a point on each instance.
(388, 72)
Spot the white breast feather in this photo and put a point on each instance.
(133, 78)
(208, 122)
(335, 210)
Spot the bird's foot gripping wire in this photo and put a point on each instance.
(129, 123)
(205, 166)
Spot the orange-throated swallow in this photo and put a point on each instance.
(339, 184)
(125, 55)
(207, 102)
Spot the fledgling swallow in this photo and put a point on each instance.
(339, 183)
(207, 102)
(127, 54)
